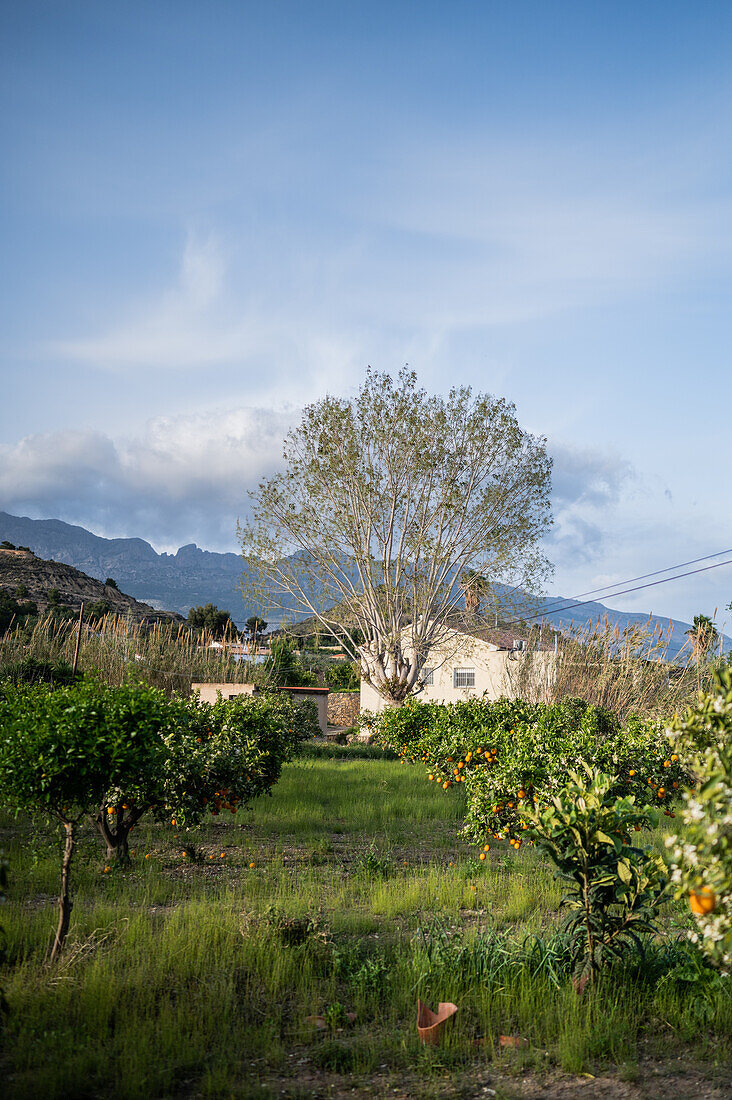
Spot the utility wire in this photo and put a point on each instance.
(623, 592)
(632, 580)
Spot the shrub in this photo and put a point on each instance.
(31, 670)
(113, 754)
(614, 889)
(701, 858)
(509, 753)
(343, 676)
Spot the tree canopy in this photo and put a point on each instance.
(212, 619)
(385, 500)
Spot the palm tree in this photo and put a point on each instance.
(704, 636)
(474, 586)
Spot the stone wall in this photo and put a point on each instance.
(343, 708)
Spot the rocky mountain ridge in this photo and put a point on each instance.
(38, 577)
(192, 577)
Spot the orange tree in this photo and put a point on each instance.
(701, 856)
(510, 754)
(111, 754)
(210, 758)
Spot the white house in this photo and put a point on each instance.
(473, 663)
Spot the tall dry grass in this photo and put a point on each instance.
(169, 656)
(626, 669)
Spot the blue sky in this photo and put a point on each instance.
(212, 213)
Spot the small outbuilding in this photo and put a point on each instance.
(210, 692)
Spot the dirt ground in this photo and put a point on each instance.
(646, 1081)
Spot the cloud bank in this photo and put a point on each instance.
(184, 479)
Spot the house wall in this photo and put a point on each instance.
(494, 675)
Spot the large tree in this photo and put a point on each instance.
(384, 502)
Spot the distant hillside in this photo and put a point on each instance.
(38, 577)
(174, 581)
(193, 576)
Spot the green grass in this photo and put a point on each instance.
(195, 978)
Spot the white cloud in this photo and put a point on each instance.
(183, 479)
(184, 327)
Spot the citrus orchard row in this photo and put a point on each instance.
(511, 755)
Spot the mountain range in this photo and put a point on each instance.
(192, 576)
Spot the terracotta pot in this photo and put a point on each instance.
(431, 1024)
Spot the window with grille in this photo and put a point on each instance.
(463, 677)
(428, 676)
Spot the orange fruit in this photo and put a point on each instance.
(251, 865)
(482, 855)
(702, 901)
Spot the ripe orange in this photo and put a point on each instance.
(251, 865)
(486, 847)
(702, 901)
(482, 855)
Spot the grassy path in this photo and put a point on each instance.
(194, 975)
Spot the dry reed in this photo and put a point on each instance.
(625, 669)
(165, 655)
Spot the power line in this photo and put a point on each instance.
(625, 591)
(632, 580)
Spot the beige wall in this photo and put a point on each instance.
(495, 674)
(209, 693)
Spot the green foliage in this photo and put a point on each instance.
(283, 669)
(5, 545)
(211, 619)
(31, 670)
(614, 888)
(3, 952)
(63, 749)
(509, 753)
(96, 610)
(13, 611)
(255, 625)
(701, 857)
(343, 676)
(112, 754)
(110, 582)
